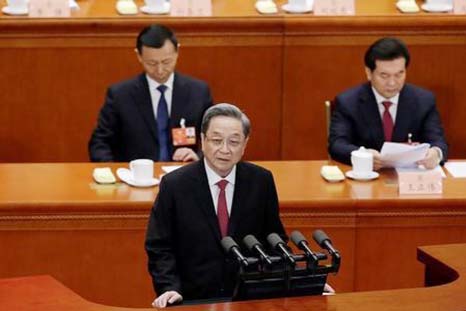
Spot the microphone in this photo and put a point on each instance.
(230, 246)
(300, 241)
(253, 245)
(277, 243)
(324, 241)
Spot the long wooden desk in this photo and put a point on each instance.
(55, 220)
(278, 68)
(443, 264)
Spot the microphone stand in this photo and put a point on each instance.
(283, 279)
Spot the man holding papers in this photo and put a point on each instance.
(386, 109)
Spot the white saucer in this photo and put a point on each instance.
(125, 175)
(149, 10)
(295, 9)
(370, 176)
(12, 11)
(437, 7)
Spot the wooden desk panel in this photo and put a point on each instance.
(443, 264)
(55, 220)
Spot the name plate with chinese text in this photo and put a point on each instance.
(49, 8)
(459, 6)
(191, 7)
(334, 7)
(420, 182)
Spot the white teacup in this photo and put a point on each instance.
(142, 170)
(155, 4)
(363, 162)
(297, 3)
(17, 4)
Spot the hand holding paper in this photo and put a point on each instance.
(403, 155)
(431, 160)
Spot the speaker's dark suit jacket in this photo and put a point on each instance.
(183, 235)
(356, 121)
(127, 128)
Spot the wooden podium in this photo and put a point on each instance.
(444, 264)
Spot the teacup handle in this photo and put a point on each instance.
(131, 169)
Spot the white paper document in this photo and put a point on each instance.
(456, 169)
(403, 155)
(170, 168)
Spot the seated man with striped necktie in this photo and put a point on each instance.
(386, 109)
(201, 203)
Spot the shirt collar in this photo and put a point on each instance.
(214, 178)
(379, 98)
(153, 85)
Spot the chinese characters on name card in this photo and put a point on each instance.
(334, 7)
(49, 8)
(420, 182)
(191, 7)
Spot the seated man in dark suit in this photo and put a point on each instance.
(203, 202)
(139, 114)
(386, 109)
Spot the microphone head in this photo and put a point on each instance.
(297, 237)
(274, 239)
(320, 237)
(250, 241)
(227, 243)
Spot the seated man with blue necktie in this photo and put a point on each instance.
(386, 109)
(202, 202)
(155, 115)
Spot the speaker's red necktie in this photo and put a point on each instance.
(222, 210)
(387, 121)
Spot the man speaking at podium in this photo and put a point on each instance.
(203, 202)
(140, 115)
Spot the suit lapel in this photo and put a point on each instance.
(239, 198)
(406, 108)
(370, 113)
(204, 199)
(143, 101)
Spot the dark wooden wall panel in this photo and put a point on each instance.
(54, 83)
